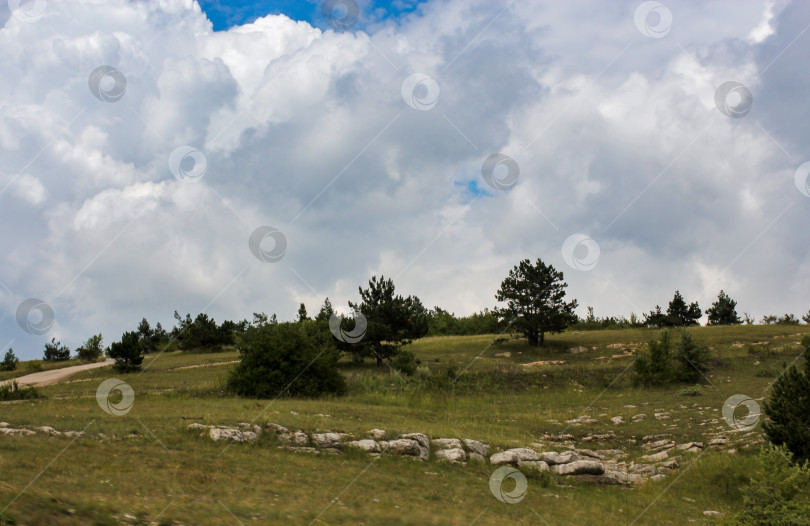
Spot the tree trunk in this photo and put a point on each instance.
(379, 361)
(532, 335)
(542, 337)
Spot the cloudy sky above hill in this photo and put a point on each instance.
(362, 143)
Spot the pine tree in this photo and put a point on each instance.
(535, 301)
(56, 352)
(788, 409)
(692, 359)
(127, 352)
(10, 361)
(679, 314)
(302, 313)
(723, 311)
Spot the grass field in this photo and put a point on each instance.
(146, 468)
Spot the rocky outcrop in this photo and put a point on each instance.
(512, 456)
(593, 466)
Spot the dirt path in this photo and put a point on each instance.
(56, 375)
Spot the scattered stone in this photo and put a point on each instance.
(454, 455)
(299, 439)
(719, 441)
(16, 432)
(625, 478)
(512, 456)
(198, 427)
(617, 420)
(377, 434)
(656, 457)
(712, 514)
(584, 419)
(367, 445)
(506, 354)
(591, 437)
(446, 443)
(401, 446)
(422, 440)
(47, 429)
(554, 458)
(476, 457)
(638, 417)
(541, 362)
(230, 434)
(659, 445)
(579, 467)
(577, 350)
(326, 440)
(476, 447)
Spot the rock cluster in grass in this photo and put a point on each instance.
(6, 429)
(661, 455)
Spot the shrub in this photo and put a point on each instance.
(778, 495)
(405, 362)
(284, 360)
(10, 361)
(692, 359)
(653, 367)
(127, 353)
(56, 352)
(788, 409)
(661, 364)
(90, 350)
(12, 391)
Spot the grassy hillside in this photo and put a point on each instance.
(146, 468)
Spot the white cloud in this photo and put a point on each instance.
(617, 136)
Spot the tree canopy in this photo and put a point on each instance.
(535, 301)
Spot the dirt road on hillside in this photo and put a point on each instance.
(56, 375)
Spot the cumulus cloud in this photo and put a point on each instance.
(616, 135)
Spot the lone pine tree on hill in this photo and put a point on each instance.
(535, 305)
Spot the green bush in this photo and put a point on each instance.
(10, 361)
(90, 350)
(664, 363)
(653, 368)
(779, 493)
(285, 360)
(12, 391)
(127, 353)
(405, 362)
(691, 358)
(56, 352)
(788, 409)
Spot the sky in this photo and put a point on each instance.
(231, 158)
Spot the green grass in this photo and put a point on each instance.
(147, 464)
